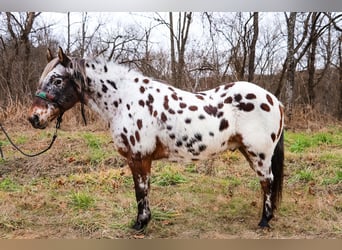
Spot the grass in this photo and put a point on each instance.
(8, 185)
(81, 188)
(168, 176)
(81, 200)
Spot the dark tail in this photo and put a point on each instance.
(278, 172)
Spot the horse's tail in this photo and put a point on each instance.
(278, 172)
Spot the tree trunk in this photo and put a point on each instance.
(290, 65)
(251, 63)
(172, 50)
(312, 60)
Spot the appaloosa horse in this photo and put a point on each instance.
(150, 120)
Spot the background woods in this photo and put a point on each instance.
(297, 56)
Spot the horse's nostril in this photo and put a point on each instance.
(34, 120)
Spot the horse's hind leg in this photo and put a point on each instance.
(268, 206)
(141, 169)
(261, 164)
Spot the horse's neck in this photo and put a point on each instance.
(107, 87)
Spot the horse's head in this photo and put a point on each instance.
(57, 91)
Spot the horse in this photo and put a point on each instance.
(151, 120)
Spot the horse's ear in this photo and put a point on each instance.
(63, 58)
(49, 56)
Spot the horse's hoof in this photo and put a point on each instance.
(263, 224)
(139, 226)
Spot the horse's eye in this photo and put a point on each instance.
(58, 82)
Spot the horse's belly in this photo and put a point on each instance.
(197, 151)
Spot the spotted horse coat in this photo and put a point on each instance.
(150, 120)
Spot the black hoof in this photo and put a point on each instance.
(139, 226)
(264, 224)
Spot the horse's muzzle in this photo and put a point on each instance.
(35, 121)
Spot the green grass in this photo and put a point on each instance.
(305, 175)
(336, 179)
(168, 176)
(8, 185)
(300, 142)
(163, 214)
(81, 200)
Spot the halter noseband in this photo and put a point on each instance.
(45, 96)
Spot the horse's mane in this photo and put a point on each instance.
(48, 68)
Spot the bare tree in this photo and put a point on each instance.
(178, 36)
(19, 27)
(251, 61)
(290, 62)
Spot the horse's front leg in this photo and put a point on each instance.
(141, 169)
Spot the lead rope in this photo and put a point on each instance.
(58, 124)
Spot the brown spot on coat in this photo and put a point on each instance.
(224, 124)
(228, 100)
(174, 96)
(269, 99)
(250, 96)
(265, 107)
(182, 105)
(237, 97)
(139, 124)
(211, 110)
(124, 140)
(193, 108)
(166, 102)
(141, 103)
(163, 117)
(200, 97)
(146, 81)
(150, 98)
(131, 138)
(137, 136)
(136, 80)
(104, 88)
(246, 106)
